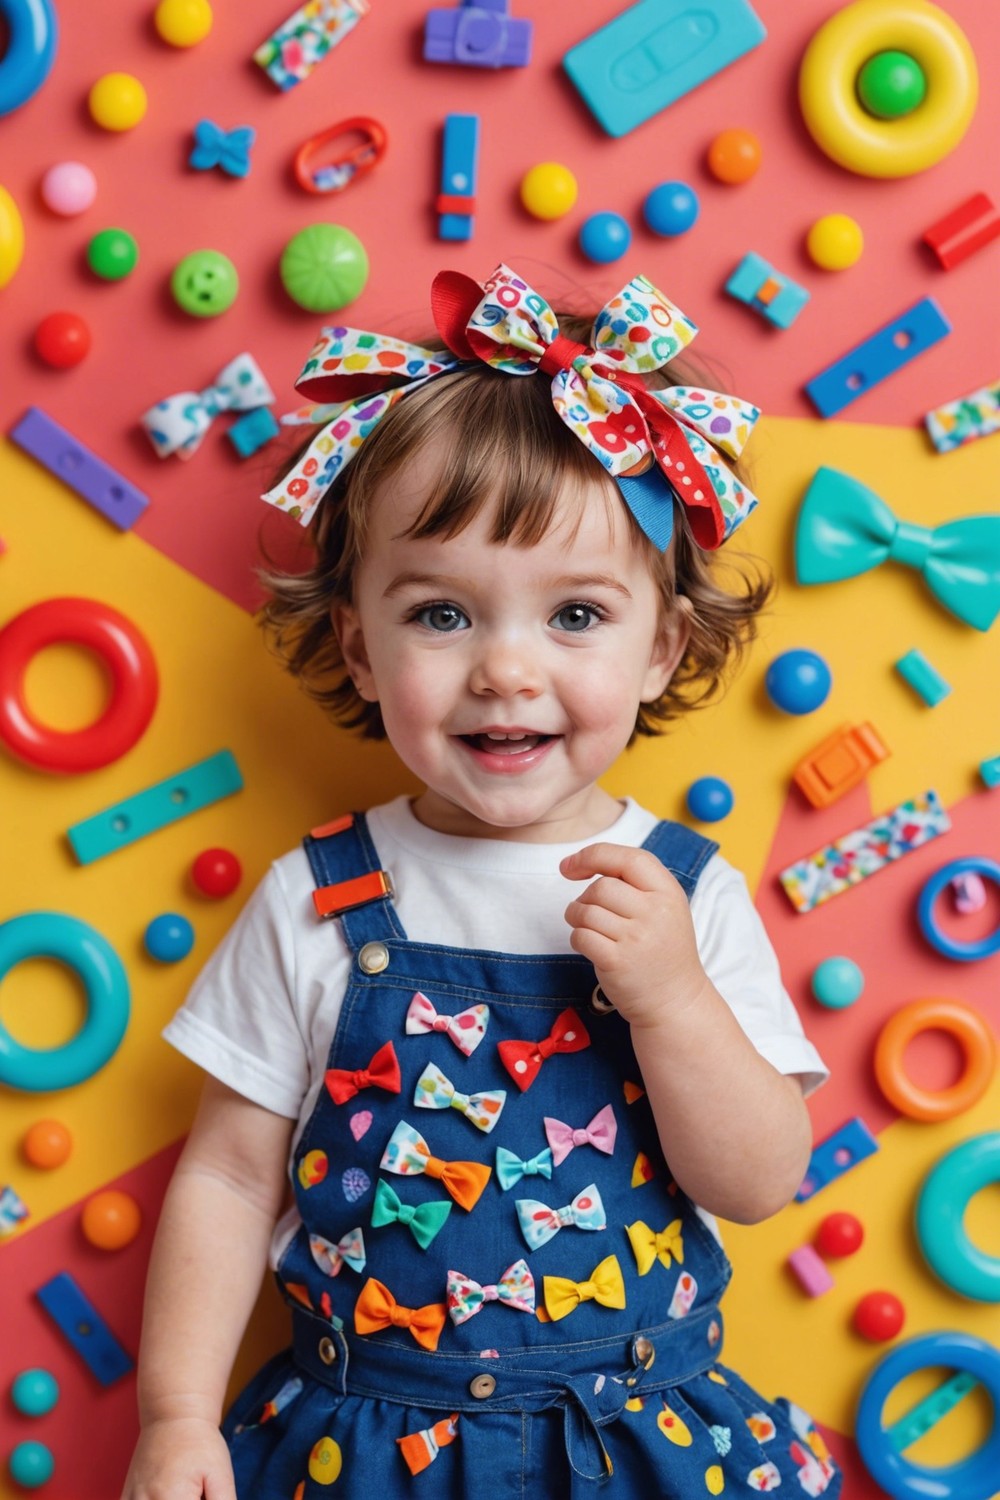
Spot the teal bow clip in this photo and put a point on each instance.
(423, 1222)
(510, 1168)
(845, 529)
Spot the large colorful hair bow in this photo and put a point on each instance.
(600, 1133)
(423, 1221)
(377, 1308)
(516, 1289)
(606, 1286)
(657, 445)
(178, 423)
(524, 1059)
(409, 1154)
(539, 1223)
(332, 1258)
(844, 529)
(381, 1073)
(466, 1029)
(435, 1091)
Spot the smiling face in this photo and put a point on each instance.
(508, 676)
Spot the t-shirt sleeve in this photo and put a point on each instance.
(740, 961)
(239, 1022)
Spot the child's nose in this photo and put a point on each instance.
(506, 666)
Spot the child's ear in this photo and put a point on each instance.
(350, 636)
(668, 650)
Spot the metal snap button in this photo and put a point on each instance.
(643, 1350)
(599, 1002)
(373, 958)
(714, 1333)
(482, 1386)
(327, 1351)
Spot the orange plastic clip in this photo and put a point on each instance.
(339, 172)
(842, 761)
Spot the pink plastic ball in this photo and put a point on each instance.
(69, 188)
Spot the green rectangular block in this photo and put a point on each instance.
(924, 679)
(156, 807)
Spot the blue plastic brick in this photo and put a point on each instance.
(924, 679)
(844, 1149)
(83, 1327)
(253, 431)
(156, 807)
(459, 169)
(752, 275)
(92, 479)
(480, 35)
(989, 770)
(656, 52)
(877, 357)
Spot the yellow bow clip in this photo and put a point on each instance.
(605, 1286)
(647, 1246)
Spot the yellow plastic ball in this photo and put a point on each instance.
(117, 101)
(183, 23)
(835, 242)
(549, 190)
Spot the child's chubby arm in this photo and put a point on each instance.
(735, 1131)
(204, 1274)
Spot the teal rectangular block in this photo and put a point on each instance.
(656, 52)
(157, 807)
(924, 679)
(989, 770)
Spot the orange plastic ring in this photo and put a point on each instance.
(974, 1037)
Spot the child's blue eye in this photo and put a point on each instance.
(578, 617)
(444, 618)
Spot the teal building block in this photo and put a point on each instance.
(924, 679)
(656, 52)
(760, 286)
(252, 431)
(989, 770)
(157, 807)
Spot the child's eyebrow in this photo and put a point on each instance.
(564, 581)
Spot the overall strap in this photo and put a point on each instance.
(682, 851)
(350, 881)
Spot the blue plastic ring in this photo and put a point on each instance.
(975, 1478)
(31, 50)
(51, 934)
(941, 1207)
(963, 952)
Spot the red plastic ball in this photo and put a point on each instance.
(839, 1235)
(216, 873)
(879, 1316)
(62, 340)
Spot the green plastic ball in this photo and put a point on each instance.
(205, 283)
(891, 84)
(113, 254)
(324, 267)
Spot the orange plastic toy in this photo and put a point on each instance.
(839, 763)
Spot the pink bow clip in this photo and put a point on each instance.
(600, 1133)
(466, 1030)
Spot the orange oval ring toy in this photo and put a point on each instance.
(972, 1034)
(834, 116)
(125, 652)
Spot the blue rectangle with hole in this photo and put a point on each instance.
(916, 330)
(155, 808)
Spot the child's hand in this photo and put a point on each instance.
(634, 924)
(180, 1458)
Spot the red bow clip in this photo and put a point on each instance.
(381, 1073)
(523, 1059)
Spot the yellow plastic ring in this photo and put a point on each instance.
(830, 105)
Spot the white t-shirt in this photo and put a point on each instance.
(262, 1013)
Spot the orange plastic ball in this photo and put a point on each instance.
(46, 1144)
(111, 1219)
(734, 155)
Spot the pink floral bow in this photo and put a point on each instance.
(466, 1030)
(657, 444)
(516, 1289)
(601, 1133)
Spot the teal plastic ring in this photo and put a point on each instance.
(941, 1207)
(52, 934)
(963, 952)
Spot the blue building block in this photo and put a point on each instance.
(924, 679)
(760, 286)
(156, 807)
(459, 167)
(877, 357)
(253, 431)
(656, 52)
(478, 35)
(82, 1326)
(92, 479)
(841, 1151)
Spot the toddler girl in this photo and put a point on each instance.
(540, 1039)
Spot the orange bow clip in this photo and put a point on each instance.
(377, 1308)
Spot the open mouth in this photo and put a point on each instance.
(492, 744)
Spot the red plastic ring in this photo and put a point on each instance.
(134, 684)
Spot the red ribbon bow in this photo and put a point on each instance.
(381, 1073)
(523, 1059)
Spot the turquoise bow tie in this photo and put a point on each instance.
(510, 1168)
(845, 529)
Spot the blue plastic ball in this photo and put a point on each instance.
(709, 799)
(34, 1392)
(605, 237)
(671, 209)
(798, 682)
(837, 983)
(31, 1465)
(169, 938)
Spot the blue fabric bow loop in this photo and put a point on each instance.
(178, 423)
(845, 529)
(228, 149)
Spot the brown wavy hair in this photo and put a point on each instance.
(506, 447)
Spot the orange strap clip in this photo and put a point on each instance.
(339, 172)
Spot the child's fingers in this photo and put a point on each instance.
(613, 895)
(637, 867)
(584, 915)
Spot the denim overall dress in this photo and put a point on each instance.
(496, 1287)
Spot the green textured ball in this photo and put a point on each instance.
(205, 283)
(324, 267)
(891, 84)
(113, 254)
